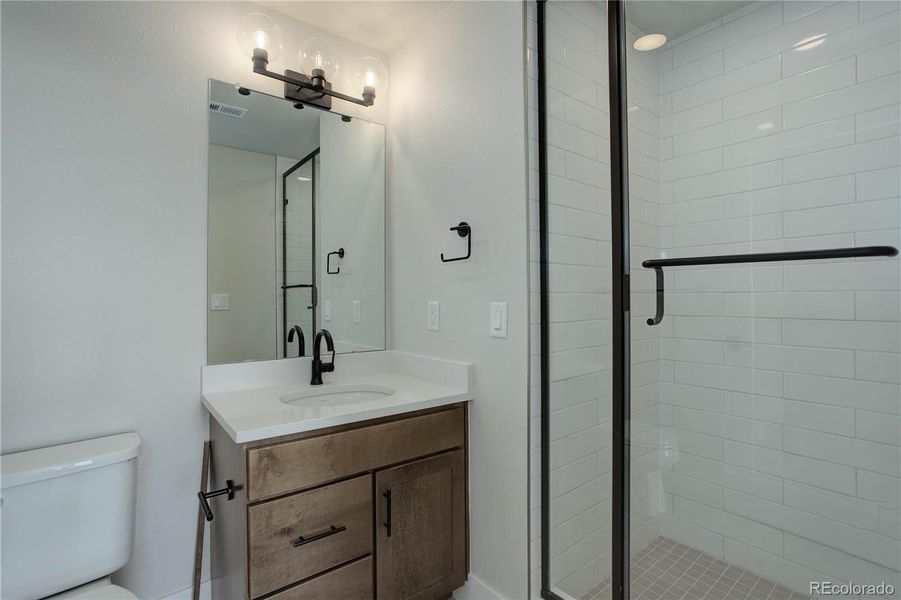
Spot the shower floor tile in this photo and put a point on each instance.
(668, 570)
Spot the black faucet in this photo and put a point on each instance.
(296, 329)
(318, 366)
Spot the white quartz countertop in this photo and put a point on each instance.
(258, 412)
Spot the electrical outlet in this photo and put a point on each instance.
(433, 319)
(218, 301)
(327, 310)
(356, 311)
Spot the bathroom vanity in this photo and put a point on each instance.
(354, 487)
(366, 497)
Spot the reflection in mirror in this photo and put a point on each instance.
(296, 238)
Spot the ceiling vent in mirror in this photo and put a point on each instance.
(227, 109)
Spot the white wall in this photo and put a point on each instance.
(104, 239)
(351, 215)
(781, 396)
(458, 153)
(241, 244)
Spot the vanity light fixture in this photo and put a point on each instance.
(652, 41)
(260, 38)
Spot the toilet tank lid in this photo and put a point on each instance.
(57, 461)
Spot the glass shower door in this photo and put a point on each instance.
(765, 411)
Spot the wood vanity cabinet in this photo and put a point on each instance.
(376, 509)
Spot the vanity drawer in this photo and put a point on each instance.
(335, 522)
(350, 582)
(282, 468)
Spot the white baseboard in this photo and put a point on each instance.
(476, 589)
(206, 593)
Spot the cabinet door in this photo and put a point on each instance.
(421, 528)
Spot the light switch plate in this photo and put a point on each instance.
(433, 316)
(356, 311)
(498, 319)
(218, 301)
(327, 310)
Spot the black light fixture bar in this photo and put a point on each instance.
(691, 261)
(315, 85)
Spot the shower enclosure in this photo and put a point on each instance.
(718, 335)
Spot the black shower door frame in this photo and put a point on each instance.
(621, 368)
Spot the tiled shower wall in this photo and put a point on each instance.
(774, 128)
(299, 213)
(580, 328)
(779, 396)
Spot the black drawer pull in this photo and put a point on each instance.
(387, 523)
(306, 540)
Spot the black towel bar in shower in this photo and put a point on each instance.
(659, 263)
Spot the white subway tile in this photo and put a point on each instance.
(878, 366)
(875, 185)
(861, 216)
(757, 125)
(877, 306)
(691, 396)
(820, 417)
(872, 546)
(693, 72)
(729, 427)
(864, 395)
(740, 29)
(692, 211)
(730, 279)
(693, 489)
(853, 335)
(834, 18)
(768, 331)
(768, 383)
(693, 118)
(879, 123)
(858, 98)
(878, 487)
(880, 61)
(692, 535)
(879, 427)
(865, 156)
(731, 82)
(691, 166)
(831, 476)
(729, 230)
(838, 507)
(795, 9)
(821, 136)
(733, 526)
(870, 9)
(791, 89)
(838, 45)
(730, 181)
(750, 481)
(782, 305)
(845, 566)
(798, 196)
(699, 444)
(864, 454)
(776, 567)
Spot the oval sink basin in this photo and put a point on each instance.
(337, 395)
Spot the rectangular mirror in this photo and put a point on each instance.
(296, 234)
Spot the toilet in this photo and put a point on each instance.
(68, 519)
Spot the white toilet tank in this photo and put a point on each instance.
(67, 514)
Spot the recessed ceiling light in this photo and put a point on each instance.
(304, 178)
(652, 41)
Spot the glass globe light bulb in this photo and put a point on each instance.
(371, 73)
(318, 53)
(259, 32)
